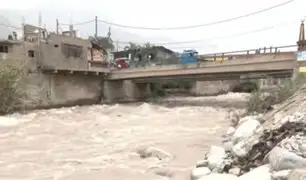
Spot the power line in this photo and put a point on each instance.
(199, 25)
(218, 37)
(10, 26)
(77, 24)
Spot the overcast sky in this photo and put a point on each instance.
(281, 24)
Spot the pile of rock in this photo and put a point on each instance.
(252, 150)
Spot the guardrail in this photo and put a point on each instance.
(221, 56)
(247, 52)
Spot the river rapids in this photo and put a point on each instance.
(102, 141)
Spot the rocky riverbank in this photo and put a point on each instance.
(269, 147)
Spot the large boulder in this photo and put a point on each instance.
(281, 175)
(297, 174)
(242, 148)
(261, 172)
(197, 173)
(217, 176)
(282, 159)
(216, 158)
(246, 129)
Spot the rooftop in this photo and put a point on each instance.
(5, 41)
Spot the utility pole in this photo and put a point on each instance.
(96, 26)
(39, 43)
(117, 44)
(23, 28)
(57, 26)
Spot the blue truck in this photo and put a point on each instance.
(189, 56)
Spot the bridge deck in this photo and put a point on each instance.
(100, 71)
(258, 64)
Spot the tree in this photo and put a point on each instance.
(131, 46)
(148, 45)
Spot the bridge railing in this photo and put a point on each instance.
(221, 56)
(247, 53)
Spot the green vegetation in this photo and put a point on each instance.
(11, 91)
(247, 86)
(262, 102)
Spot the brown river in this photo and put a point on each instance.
(103, 141)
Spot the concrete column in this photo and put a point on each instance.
(113, 91)
(211, 87)
(135, 91)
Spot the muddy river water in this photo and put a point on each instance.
(102, 141)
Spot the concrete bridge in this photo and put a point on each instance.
(210, 76)
(270, 64)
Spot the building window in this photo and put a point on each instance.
(70, 50)
(31, 53)
(3, 49)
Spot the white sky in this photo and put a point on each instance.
(171, 13)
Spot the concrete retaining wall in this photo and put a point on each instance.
(52, 90)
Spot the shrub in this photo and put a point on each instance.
(248, 86)
(261, 102)
(11, 91)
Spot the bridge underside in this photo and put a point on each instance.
(221, 76)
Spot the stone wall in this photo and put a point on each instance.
(52, 90)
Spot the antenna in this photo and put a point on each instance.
(70, 18)
(23, 27)
(39, 19)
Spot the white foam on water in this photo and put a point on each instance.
(59, 142)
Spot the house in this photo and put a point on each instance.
(65, 52)
(102, 47)
(31, 33)
(156, 55)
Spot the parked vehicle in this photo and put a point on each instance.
(121, 63)
(189, 56)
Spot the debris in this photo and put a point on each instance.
(154, 152)
(234, 171)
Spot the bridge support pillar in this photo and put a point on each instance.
(136, 91)
(206, 88)
(125, 91)
(112, 91)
